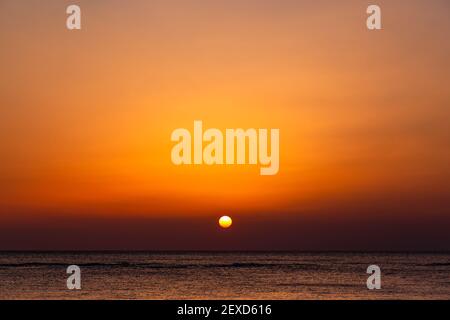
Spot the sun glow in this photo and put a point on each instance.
(225, 222)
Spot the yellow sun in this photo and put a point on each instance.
(225, 222)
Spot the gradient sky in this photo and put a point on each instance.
(86, 118)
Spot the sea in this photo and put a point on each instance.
(224, 275)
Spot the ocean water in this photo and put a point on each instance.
(221, 275)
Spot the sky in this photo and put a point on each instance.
(86, 118)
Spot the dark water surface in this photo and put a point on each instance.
(219, 275)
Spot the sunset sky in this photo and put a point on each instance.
(86, 118)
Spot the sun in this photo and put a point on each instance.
(225, 222)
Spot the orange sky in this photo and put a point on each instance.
(86, 116)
